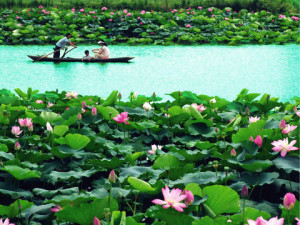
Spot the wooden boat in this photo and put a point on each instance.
(46, 59)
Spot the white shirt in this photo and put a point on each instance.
(62, 42)
(105, 52)
(87, 57)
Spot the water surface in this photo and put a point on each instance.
(213, 70)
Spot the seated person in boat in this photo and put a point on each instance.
(61, 44)
(87, 56)
(101, 53)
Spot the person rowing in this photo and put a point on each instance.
(61, 44)
(101, 53)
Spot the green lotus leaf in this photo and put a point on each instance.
(20, 173)
(12, 210)
(140, 185)
(166, 162)
(77, 141)
(288, 163)
(60, 130)
(222, 199)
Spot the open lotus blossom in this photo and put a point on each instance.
(49, 128)
(281, 16)
(5, 222)
(298, 113)
(282, 124)
(283, 146)
(189, 197)
(143, 12)
(104, 8)
(125, 11)
(96, 221)
(213, 100)
(258, 140)
(147, 106)
(288, 128)
(210, 9)
(200, 7)
(200, 108)
(17, 17)
(261, 221)
(253, 119)
(154, 149)
(289, 201)
(39, 102)
(295, 18)
(73, 10)
(81, 10)
(122, 118)
(135, 94)
(298, 221)
(56, 209)
(188, 25)
(71, 94)
(16, 130)
(171, 199)
(25, 122)
(40, 6)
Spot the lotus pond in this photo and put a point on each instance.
(213, 70)
(68, 158)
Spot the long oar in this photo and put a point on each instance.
(48, 54)
(67, 52)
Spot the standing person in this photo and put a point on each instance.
(101, 53)
(61, 44)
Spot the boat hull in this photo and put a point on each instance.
(48, 59)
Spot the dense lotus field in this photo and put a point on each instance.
(182, 26)
(195, 160)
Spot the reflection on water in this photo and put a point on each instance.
(211, 70)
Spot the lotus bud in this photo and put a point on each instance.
(213, 101)
(30, 128)
(79, 116)
(83, 104)
(112, 177)
(96, 221)
(282, 124)
(251, 138)
(147, 106)
(216, 130)
(295, 109)
(258, 141)
(247, 111)
(233, 152)
(189, 197)
(119, 96)
(94, 111)
(17, 146)
(244, 192)
(153, 95)
(289, 201)
(49, 128)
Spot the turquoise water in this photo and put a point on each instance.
(212, 70)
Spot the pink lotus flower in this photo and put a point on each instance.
(298, 113)
(228, 10)
(39, 102)
(226, 18)
(283, 146)
(298, 221)
(212, 15)
(71, 94)
(56, 209)
(79, 116)
(258, 141)
(200, 108)
(251, 138)
(30, 127)
(17, 17)
(40, 6)
(143, 12)
(96, 221)
(49, 128)
(288, 128)
(23, 122)
(112, 177)
(50, 105)
(295, 18)
(6, 222)
(253, 119)
(188, 25)
(244, 192)
(154, 149)
(282, 124)
(141, 23)
(92, 12)
(129, 14)
(210, 9)
(81, 10)
(112, 13)
(122, 118)
(260, 221)
(289, 201)
(233, 152)
(200, 7)
(281, 16)
(104, 8)
(171, 199)
(189, 197)
(125, 11)
(167, 115)
(17, 146)
(138, 18)
(94, 111)
(20, 24)
(73, 10)
(110, 20)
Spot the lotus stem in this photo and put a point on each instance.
(244, 203)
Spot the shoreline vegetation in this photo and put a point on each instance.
(195, 160)
(177, 26)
